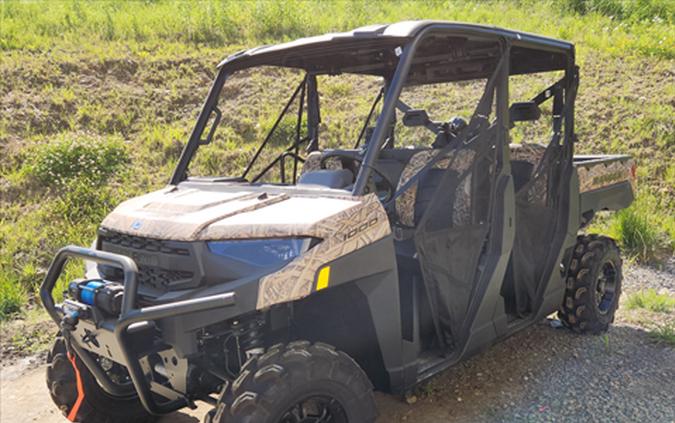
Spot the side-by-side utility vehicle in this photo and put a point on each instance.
(291, 292)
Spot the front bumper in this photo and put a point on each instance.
(114, 334)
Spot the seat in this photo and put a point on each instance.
(530, 153)
(412, 203)
(313, 162)
(525, 159)
(333, 176)
(329, 178)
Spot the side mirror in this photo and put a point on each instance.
(415, 117)
(524, 111)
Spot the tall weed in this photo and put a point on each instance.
(88, 160)
(12, 296)
(639, 228)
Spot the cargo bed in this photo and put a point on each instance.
(606, 182)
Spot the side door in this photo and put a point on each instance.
(463, 238)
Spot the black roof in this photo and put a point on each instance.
(372, 49)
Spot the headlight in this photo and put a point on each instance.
(262, 252)
(90, 267)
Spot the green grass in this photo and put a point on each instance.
(62, 160)
(622, 27)
(12, 297)
(643, 229)
(652, 301)
(663, 333)
(102, 96)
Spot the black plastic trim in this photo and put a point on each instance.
(130, 315)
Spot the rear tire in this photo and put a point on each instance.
(96, 406)
(295, 383)
(593, 285)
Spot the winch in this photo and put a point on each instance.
(104, 295)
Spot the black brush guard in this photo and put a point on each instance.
(129, 315)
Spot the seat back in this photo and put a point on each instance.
(313, 162)
(525, 159)
(530, 153)
(410, 206)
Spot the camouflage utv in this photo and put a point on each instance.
(289, 293)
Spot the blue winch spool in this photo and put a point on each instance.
(88, 291)
(104, 296)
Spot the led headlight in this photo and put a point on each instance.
(90, 268)
(270, 252)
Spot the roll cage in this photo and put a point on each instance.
(406, 53)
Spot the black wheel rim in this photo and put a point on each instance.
(315, 409)
(605, 287)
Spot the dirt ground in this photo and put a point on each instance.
(542, 374)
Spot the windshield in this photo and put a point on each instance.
(269, 119)
(307, 117)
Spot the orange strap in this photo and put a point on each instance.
(72, 415)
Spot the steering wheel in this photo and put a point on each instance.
(352, 161)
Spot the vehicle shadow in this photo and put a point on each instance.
(532, 375)
(512, 380)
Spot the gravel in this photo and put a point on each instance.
(661, 278)
(546, 375)
(542, 374)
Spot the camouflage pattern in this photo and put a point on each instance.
(405, 203)
(591, 176)
(533, 153)
(183, 214)
(313, 162)
(461, 214)
(343, 223)
(189, 214)
(349, 230)
(597, 175)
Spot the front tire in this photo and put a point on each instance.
(593, 285)
(298, 382)
(86, 403)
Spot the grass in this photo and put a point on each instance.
(652, 301)
(12, 297)
(619, 26)
(64, 159)
(654, 311)
(644, 230)
(98, 100)
(664, 333)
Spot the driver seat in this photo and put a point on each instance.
(413, 202)
(313, 162)
(333, 176)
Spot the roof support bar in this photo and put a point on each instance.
(388, 107)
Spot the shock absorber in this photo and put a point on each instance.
(249, 336)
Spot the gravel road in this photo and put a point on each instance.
(539, 375)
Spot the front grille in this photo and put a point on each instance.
(160, 279)
(140, 243)
(156, 272)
